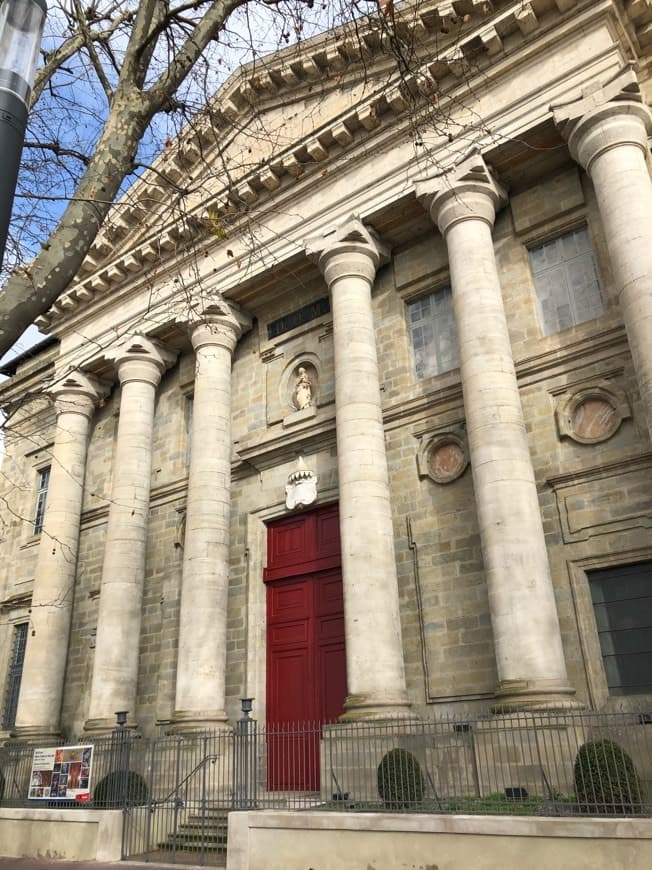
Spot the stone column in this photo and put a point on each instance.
(41, 692)
(529, 655)
(348, 259)
(140, 362)
(607, 131)
(201, 663)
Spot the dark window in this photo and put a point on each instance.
(41, 499)
(566, 281)
(433, 333)
(298, 318)
(622, 601)
(15, 676)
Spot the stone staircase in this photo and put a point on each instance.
(199, 832)
(207, 831)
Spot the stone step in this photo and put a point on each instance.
(192, 846)
(184, 838)
(197, 823)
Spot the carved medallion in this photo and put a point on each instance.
(592, 415)
(594, 419)
(443, 457)
(447, 462)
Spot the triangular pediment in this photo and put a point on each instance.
(284, 118)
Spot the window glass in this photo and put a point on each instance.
(566, 281)
(622, 602)
(41, 499)
(433, 334)
(15, 675)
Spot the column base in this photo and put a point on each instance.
(37, 734)
(366, 706)
(105, 727)
(516, 695)
(198, 721)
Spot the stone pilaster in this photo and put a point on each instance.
(348, 258)
(607, 131)
(39, 706)
(529, 654)
(140, 363)
(201, 663)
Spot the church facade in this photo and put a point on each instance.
(363, 430)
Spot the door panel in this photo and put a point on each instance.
(306, 658)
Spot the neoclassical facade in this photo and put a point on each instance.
(364, 430)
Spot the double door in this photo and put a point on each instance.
(306, 656)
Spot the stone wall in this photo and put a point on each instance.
(341, 841)
(595, 498)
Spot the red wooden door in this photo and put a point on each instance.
(306, 659)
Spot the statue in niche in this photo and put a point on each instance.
(302, 396)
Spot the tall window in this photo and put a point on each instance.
(432, 329)
(15, 675)
(566, 281)
(622, 601)
(41, 499)
(190, 409)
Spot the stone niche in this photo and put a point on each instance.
(291, 395)
(299, 389)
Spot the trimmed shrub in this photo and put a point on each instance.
(606, 780)
(400, 780)
(120, 788)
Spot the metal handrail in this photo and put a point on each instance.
(202, 763)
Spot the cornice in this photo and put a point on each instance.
(19, 601)
(481, 45)
(631, 461)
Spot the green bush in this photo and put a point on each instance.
(400, 781)
(606, 780)
(120, 788)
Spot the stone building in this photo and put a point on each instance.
(364, 428)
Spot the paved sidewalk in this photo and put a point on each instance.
(51, 864)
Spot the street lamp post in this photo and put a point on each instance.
(21, 29)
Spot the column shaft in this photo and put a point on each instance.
(374, 651)
(115, 670)
(607, 131)
(624, 193)
(527, 639)
(201, 666)
(41, 694)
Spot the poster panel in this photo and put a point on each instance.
(61, 773)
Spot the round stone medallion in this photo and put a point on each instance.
(594, 419)
(447, 461)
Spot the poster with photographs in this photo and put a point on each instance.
(61, 773)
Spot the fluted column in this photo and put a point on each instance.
(607, 132)
(201, 663)
(529, 655)
(41, 692)
(140, 363)
(348, 259)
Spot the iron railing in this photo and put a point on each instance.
(176, 791)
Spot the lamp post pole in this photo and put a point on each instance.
(21, 29)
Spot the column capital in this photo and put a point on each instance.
(78, 393)
(604, 116)
(468, 191)
(139, 358)
(212, 320)
(349, 250)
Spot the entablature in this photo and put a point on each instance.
(278, 185)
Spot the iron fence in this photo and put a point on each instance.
(176, 791)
